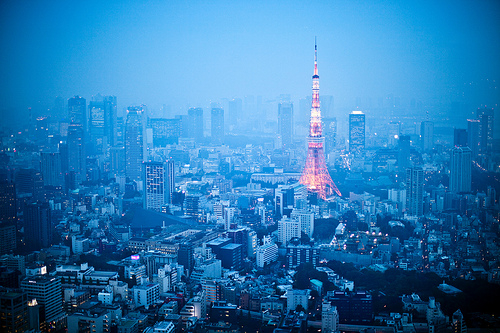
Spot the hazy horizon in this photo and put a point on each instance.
(191, 53)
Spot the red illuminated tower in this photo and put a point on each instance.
(315, 175)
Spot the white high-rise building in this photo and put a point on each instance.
(155, 186)
(305, 219)
(295, 297)
(329, 318)
(146, 295)
(267, 252)
(288, 229)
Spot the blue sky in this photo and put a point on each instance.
(192, 52)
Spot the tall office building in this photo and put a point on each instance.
(50, 167)
(460, 137)
(235, 107)
(217, 125)
(46, 290)
(415, 191)
(195, 124)
(458, 323)
(473, 140)
(288, 229)
(460, 170)
(165, 131)
(326, 102)
(404, 156)
(102, 123)
(427, 135)
(329, 318)
(356, 131)
(135, 133)
(77, 155)
(486, 129)
(170, 174)
(155, 185)
(37, 226)
(8, 217)
(14, 312)
(330, 132)
(285, 123)
(77, 111)
(29, 181)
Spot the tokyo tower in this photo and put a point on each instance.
(315, 175)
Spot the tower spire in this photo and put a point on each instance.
(315, 58)
(315, 175)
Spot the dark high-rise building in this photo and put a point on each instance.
(285, 123)
(117, 158)
(8, 212)
(77, 155)
(102, 123)
(195, 124)
(134, 142)
(155, 185)
(37, 226)
(460, 137)
(404, 160)
(330, 133)
(165, 131)
(14, 312)
(234, 110)
(486, 129)
(8, 217)
(415, 191)
(356, 131)
(427, 135)
(473, 140)
(231, 256)
(460, 170)
(77, 111)
(217, 125)
(46, 290)
(353, 307)
(30, 181)
(185, 256)
(50, 167)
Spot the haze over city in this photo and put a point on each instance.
(191, 53)
(237, 166)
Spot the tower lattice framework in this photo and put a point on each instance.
(315, 175)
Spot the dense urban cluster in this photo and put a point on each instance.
(153, 222)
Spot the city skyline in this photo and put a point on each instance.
(191, 54)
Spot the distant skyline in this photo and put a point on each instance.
(193, 52)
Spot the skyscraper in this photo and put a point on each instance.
(427, 135)
(459, 137)
(170, 165)
(14, 312)
(38, 226)
(404, 160)
(77, 156)
(195, 124)
(155, 185)
(102, 122)
(356, 131)
(234, 110)
(315, 175)
(134, 142)
(8, 217)
(415, 191)
(50, 166)
(77, 111)
(460, 170)
(165, 131)
(217, 125)
(48, 294)
(486, 129)
(473, 140)
(285, 123)
(330, 130)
